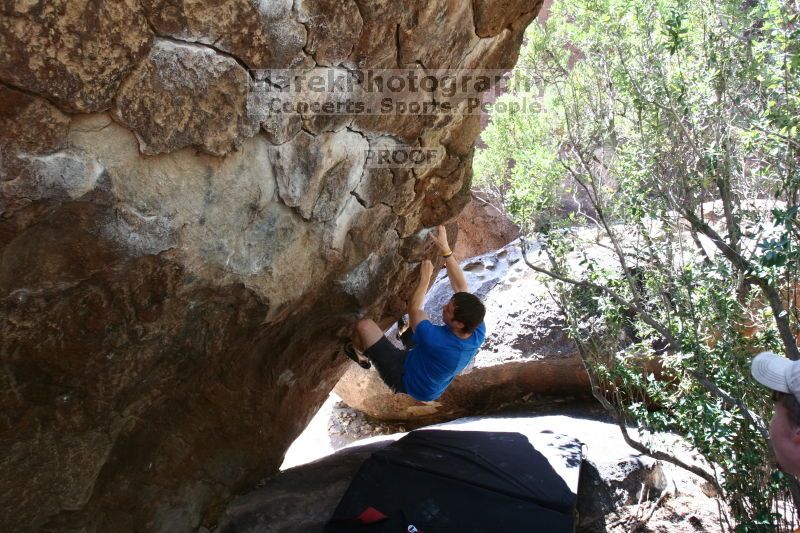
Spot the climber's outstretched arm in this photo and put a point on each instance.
(415, 312)
(454, 272)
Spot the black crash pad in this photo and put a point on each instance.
(461, 481)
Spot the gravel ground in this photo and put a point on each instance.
(333, 427)
(672, 514)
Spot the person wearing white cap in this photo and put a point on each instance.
(783, 377)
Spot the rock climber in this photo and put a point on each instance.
(434, 355)
(783, 377)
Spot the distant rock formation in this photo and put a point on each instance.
(483, 227)
(177, 275)
(527, 355)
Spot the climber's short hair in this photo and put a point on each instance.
(791, 404)
(469, 310)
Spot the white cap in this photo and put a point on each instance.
(777, 373)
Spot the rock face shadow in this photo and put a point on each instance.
(594, 501)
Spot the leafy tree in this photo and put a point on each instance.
(676, 125)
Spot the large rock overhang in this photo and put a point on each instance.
(176, 276)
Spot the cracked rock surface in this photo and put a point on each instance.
(176, 277)
(74, 53)
(261, 34)
(184, 95)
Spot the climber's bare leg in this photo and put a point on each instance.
(366, 334)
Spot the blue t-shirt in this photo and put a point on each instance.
(436, 359)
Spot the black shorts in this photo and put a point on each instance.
(390, 363)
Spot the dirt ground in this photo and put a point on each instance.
(670, 514)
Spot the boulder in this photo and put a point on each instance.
(177, 273)
(301, 498)
(491, 21)
(483, 226)
(527, 355)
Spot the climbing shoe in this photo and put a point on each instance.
(402, 326)
(352, 353)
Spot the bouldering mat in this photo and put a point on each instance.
(437, 480)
